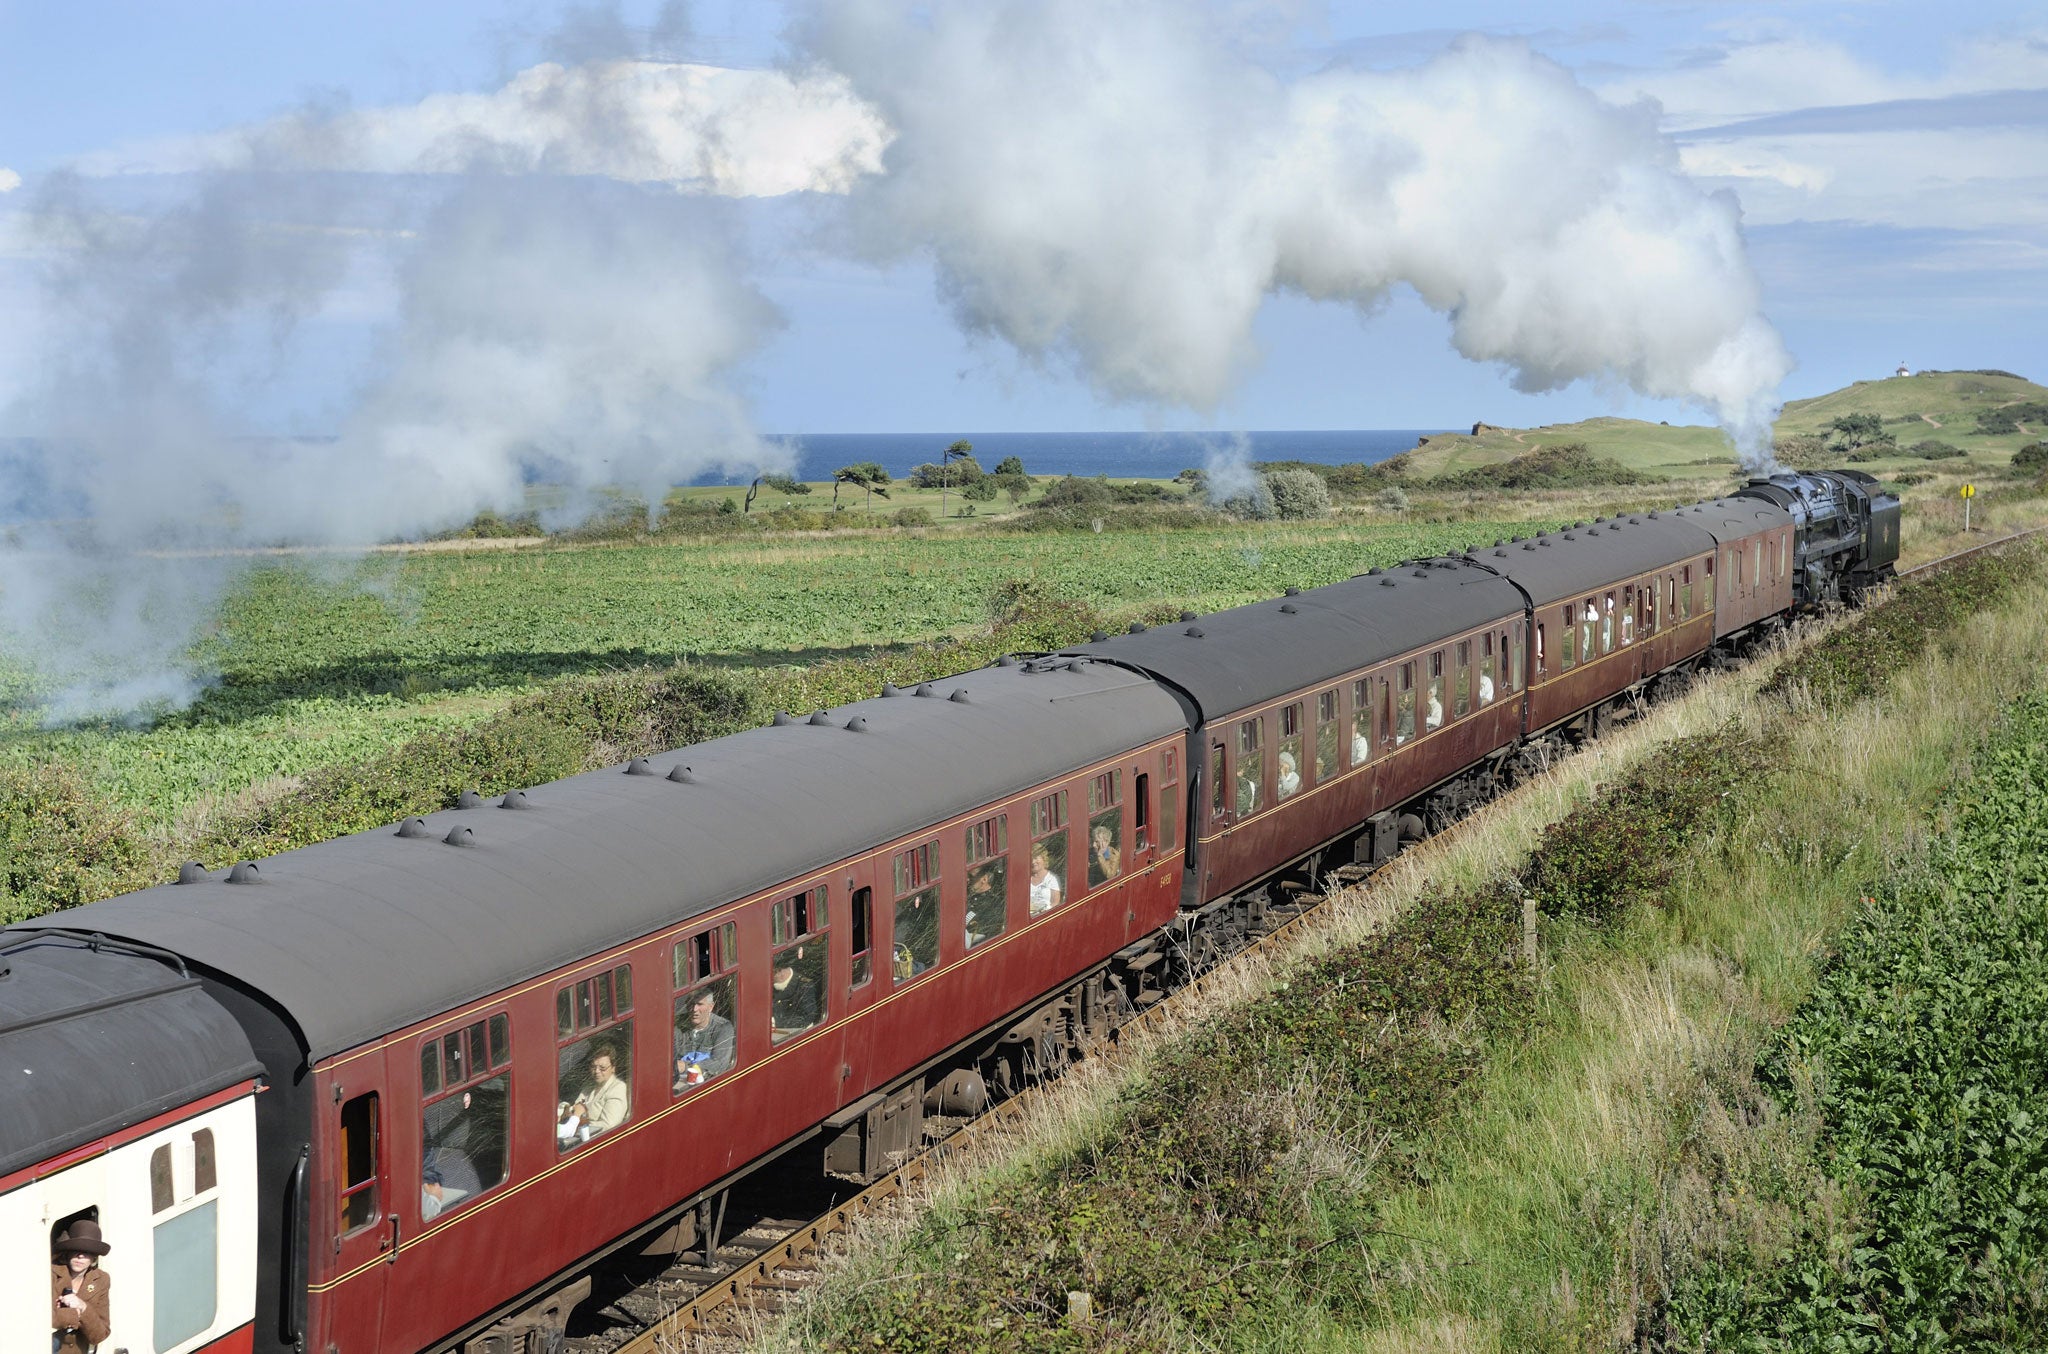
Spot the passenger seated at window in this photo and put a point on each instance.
(1361, 750)
(917, 933)
(1290, 777)
(1628, 623)
(1247, 793)
(458, 1175)
(1607, 627)
(436, 1194)
(703, 1043)
(985, 902)
(1045, 885)
(1103, 860)
(1486, 688)
(1433, 717)
(601, 1107)
(796, 999)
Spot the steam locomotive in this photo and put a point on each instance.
(400, 1090)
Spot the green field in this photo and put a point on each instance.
(315, 669)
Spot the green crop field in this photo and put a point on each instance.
(315, 669)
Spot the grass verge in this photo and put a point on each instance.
(1526, 1187)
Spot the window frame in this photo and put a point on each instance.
(922, 879)
(988, 851)
(621, 1016)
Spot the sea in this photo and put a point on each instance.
(1146, 455)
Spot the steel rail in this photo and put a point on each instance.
(700, 1316)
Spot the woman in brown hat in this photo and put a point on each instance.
(79, 1287)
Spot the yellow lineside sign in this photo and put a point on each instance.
(1969, 491)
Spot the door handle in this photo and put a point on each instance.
(392, 1258)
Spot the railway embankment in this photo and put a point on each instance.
(1409, 1139)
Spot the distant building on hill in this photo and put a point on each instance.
(1903, 370)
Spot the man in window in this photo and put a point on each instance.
(603, 1106)
(704, 1042)
(795, 1000)
(79, 1288)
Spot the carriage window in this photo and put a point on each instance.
(1404, 706)
(1607, 625)
(1567, 640)
(796, 972)
(359, 1152)
(1361, 719)
(1685, 593)
(1141, 813)
(161, 1194)
(205, 1174)
(916, 946)
(594, 1064)
(1540, 669)
(1628, 614)
(1707, 587)
(988, 878)
(1251, 766)
(1327, 748)
(465, 1128)
(1486, 670)
(861, 920)
(1289, 782)
(1515, 658)
(186, 1254)
(1219, 799)
(1461, 681)
(1169, 800)
(1049, 849)
(1105, 828)
(1433, 714)
(705, 971)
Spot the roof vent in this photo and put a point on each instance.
(681, 776)
(1193, 632)
(821, 719)
(1373, 572)
(1187, 615)
(782, 718)
(959, 697)
(1097, 636)
(1531, 545)
(1386, 582)
(858, 724)
(924, 689)
(1420, 574)
(1501, 554)
(891, 689)
(515, 800)
(1637, 521)
(1006, 661)
(191, 872)
(1568, 536)
(1544, 541)
(460, 836)
(639, 767)
(1288, 609)
(1498, 544)
(245, 871)
(1137, 627)
(469, 799)
(414, 827)
(1516, 540)
(1653, 515)
(1292, 592)
(1580, 525)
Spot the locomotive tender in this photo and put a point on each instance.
(396, 1091)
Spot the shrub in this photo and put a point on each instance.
(61, 844)
(1568, 465)
(1933, 449)
(1996, 422)
(955, 474)
(1393, 498)
(1009, 465)
(1297, 494)
(2031, 458)
(912, 517)
(1253, 503)
(1803, 451)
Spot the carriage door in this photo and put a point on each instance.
(360, 1215)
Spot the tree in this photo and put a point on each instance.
(1009, 465)
(868, 475)
(959, 451)
(780, 483)
(982, 490)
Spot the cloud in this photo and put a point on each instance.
(1116, 187)
(9, 180)
(1997, 108)
(734, 133)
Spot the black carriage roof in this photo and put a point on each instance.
(1236, 659)
(93, 1041)
(1562, 564)
(370, 933)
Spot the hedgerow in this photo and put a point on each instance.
(1924, 1056)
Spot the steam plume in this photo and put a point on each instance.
(1115, 185)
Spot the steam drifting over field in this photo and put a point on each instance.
(1115, 187)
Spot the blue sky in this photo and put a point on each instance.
(1890, 159)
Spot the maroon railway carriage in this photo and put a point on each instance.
(452, 988)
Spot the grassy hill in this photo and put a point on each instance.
(1937, 405)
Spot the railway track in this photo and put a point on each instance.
(691, 1309)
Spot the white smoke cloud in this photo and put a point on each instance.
(572, 328)
(1113, 184)
(709, 129)
(9, 180)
